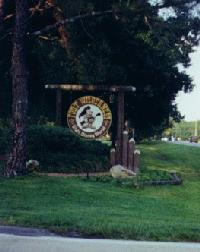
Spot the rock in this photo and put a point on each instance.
(119, 171)
(32, 165)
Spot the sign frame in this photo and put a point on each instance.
(90, 117)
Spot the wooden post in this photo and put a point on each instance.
(117, 152)
(126, 125)
(58, 107)
(125, 149)
(112, 157)
(136, 161)
(120, 124)
(131, 149)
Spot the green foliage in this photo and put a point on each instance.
(154, 175)
(2, 166)
(165, 213)
(135, 182)
(4, 137)
(183, 130)
(134, 46)
(59, 150)
(170, 157)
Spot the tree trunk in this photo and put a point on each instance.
(2, 45)
(16, 163)
(1, 14)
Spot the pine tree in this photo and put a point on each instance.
(16, 163)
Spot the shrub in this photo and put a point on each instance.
(59, 150)
(4, 140)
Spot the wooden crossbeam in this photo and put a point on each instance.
(77, 87)
(120, 90)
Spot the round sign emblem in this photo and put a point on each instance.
(89, 117)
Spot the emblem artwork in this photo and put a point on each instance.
(90, 117)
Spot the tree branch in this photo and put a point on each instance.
(58, 16)
(71, 20)
(37, 8)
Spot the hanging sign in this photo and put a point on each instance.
(89, 117)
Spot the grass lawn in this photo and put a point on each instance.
(102, 209)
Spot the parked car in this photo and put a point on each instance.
(165, 139)
(194, 139)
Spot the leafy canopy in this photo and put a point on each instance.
(141, 43)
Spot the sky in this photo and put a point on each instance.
(189, 103)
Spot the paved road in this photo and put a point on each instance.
(12, 243)
(25, 231)
(185, 143)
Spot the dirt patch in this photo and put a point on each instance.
(74, 174)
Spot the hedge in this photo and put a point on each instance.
(59, 150)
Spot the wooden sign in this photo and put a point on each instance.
(89, 117)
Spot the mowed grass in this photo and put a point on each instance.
(166, 156)
(73, 205)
